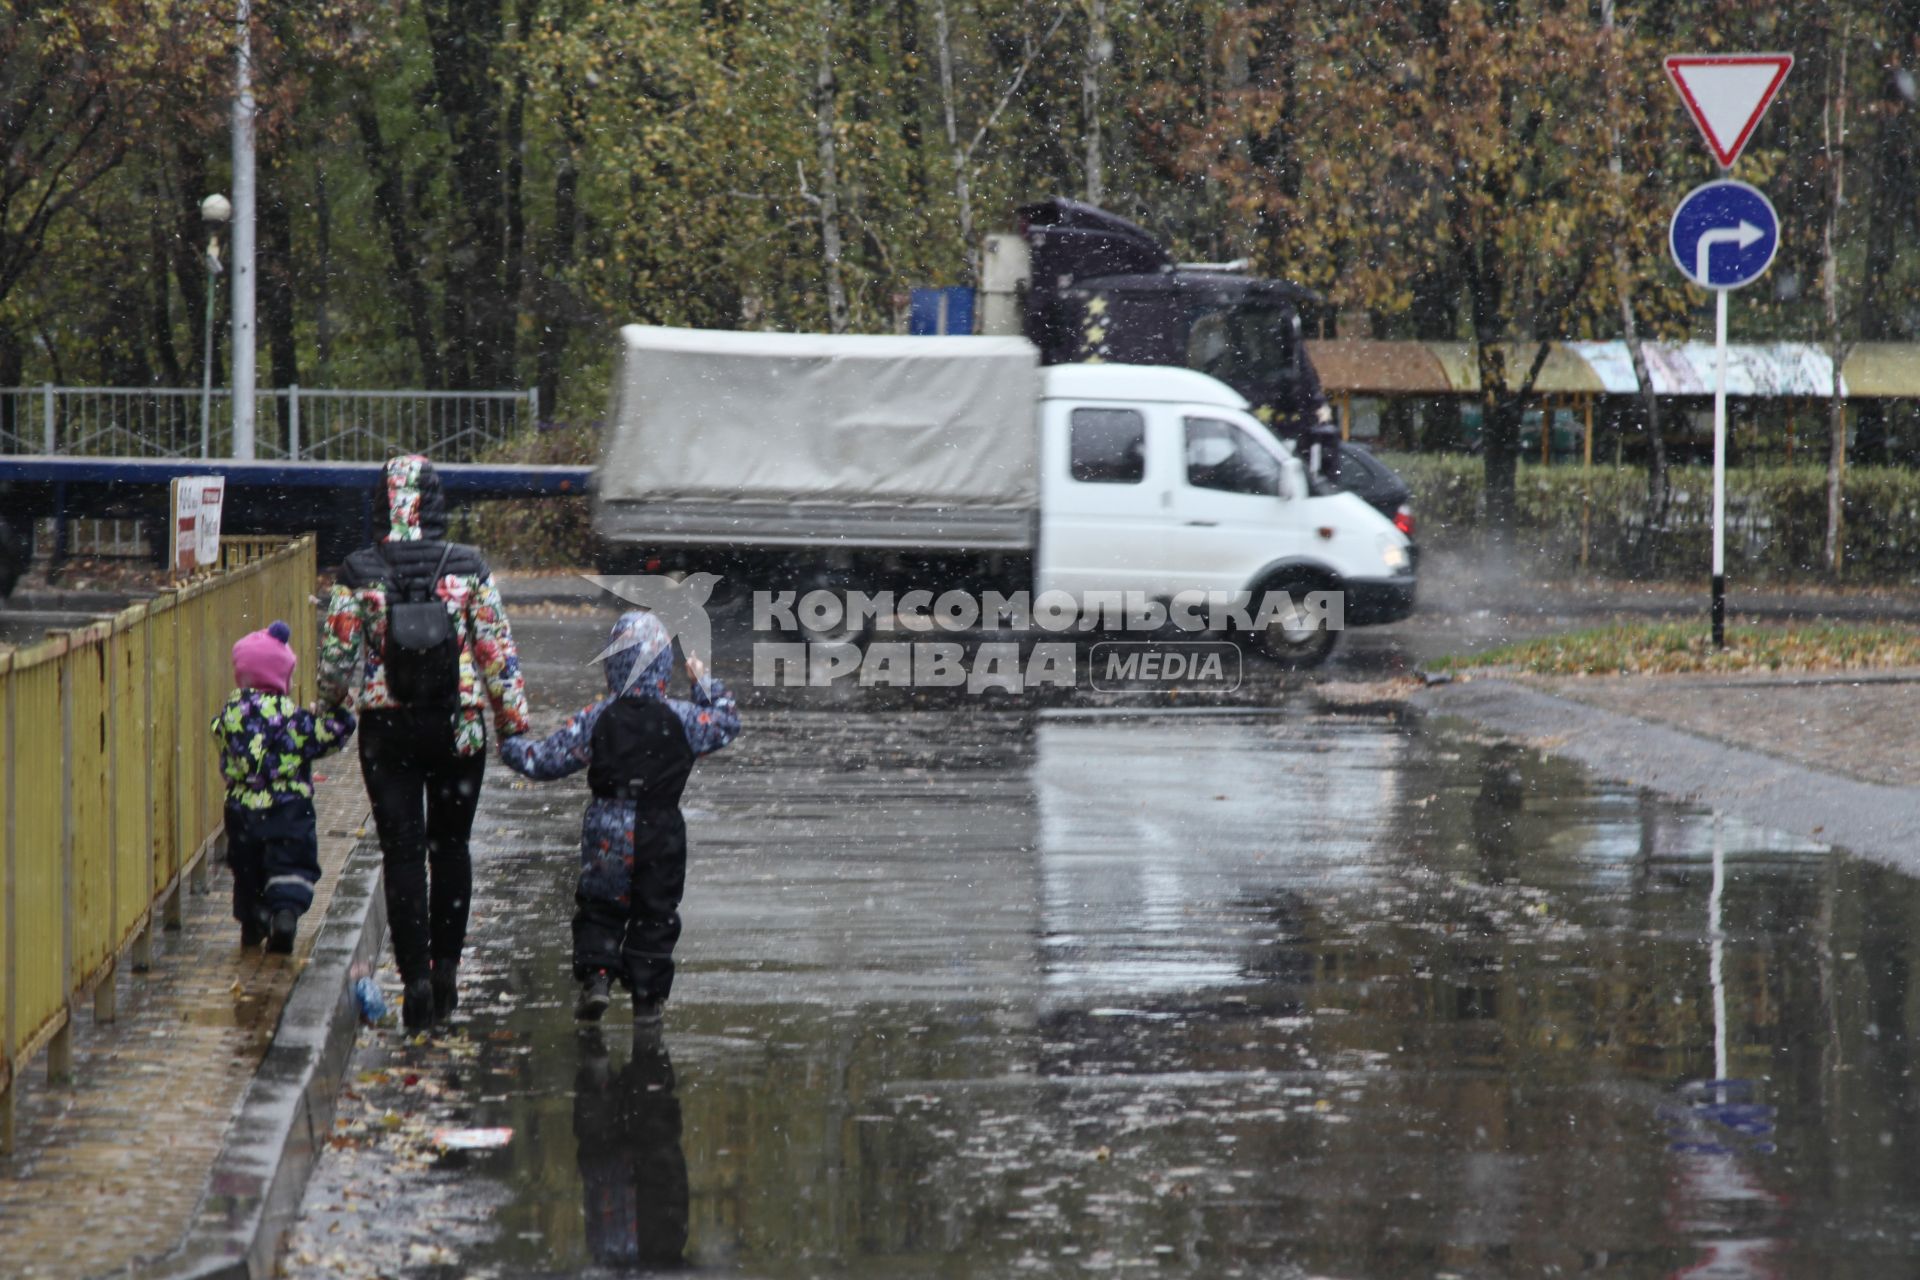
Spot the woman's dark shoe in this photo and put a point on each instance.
(596, 993)
(280, 932)
(446, 989)
(252, 933)
(416, 1005)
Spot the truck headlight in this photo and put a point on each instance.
(1394, 555)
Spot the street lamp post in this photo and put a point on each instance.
(243, 259)
(214, 212)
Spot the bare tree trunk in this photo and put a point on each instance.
(160, 293)
(515, 252)
(963, 152)
(1235, 73)
(1629, 323)
(1833, 137)
(390, 202)
(1097, 52)
(1500, 415)
(323, 271)
(825, 90)
(962, 179)
(276, 283)
(554, 298)
(478, 333)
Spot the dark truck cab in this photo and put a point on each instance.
(1104, 289)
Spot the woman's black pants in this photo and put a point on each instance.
(424, 794)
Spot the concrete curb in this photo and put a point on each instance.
(1871, 820)
(254, 1191)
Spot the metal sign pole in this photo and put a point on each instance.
(1720, 469)
(1726, 94)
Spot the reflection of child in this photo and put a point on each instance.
(633, 1169)
(268, 744)
(638, 747)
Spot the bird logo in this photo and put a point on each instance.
(679, 603)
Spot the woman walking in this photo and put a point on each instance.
(420, 618)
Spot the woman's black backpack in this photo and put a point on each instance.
(422, 657)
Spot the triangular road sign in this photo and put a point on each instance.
(1727, 93)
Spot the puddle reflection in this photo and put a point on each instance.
(1241, 995)
(633, 1173)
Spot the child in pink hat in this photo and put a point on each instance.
(268, 743)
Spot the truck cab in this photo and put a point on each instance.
(1161, 481)
(1100, 289)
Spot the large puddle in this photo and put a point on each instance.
(1204, 994)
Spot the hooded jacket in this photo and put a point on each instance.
(355, 633)
(268, 743)
(639, 661)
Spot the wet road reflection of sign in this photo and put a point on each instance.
(1716, 1129)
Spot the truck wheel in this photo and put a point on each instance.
(1296, 639)
(844, 631)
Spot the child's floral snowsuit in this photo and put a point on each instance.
(268, 743)
(356, 626)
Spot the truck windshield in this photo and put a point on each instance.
(1248, 348)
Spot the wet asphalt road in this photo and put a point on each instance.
(975, 988)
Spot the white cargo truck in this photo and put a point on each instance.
(897, 463)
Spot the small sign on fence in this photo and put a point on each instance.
(193, 542)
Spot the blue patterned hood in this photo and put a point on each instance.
(638, 656)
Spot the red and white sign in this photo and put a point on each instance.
(1727, 93)
(195, 528)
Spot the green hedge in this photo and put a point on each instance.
(539, 533)
(1776, 518)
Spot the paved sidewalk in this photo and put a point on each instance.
(1820, 757)
(1860, 726)
(109, 1167)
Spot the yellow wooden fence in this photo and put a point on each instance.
(111, 792)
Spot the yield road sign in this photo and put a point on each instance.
(1724, 235)
(1727, 93)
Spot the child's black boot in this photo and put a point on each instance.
(253, 928)
(596, 993)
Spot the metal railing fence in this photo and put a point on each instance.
(291, 423)
(111, 791)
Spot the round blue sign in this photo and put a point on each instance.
(1724, 234)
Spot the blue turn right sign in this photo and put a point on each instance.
(1724, 235)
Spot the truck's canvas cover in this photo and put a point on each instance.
(754, 418)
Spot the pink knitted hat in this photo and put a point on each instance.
(264, 659)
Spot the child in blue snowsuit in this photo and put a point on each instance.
(268, 743)
(638, 747)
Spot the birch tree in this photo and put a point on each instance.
(826, 89)
(1833, 147)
